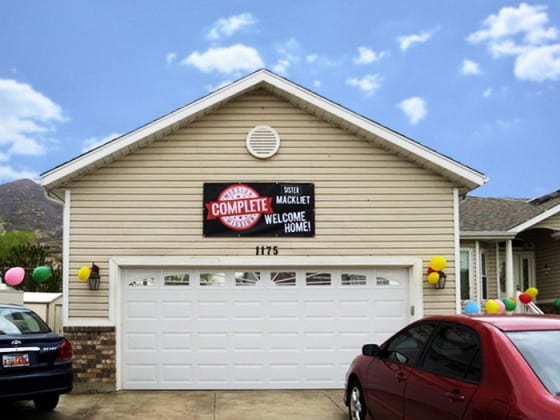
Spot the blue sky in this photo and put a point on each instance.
(477, 80)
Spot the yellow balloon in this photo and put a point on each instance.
(492, 307)
(433, 277)
(83, 273)
(532, 291)
(438, 263)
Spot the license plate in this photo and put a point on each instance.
(15, 360)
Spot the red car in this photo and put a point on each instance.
(460, 367)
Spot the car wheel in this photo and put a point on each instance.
(356, 402)
(46, 402)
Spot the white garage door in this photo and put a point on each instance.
(257, 329)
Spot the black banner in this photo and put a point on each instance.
(259, 209)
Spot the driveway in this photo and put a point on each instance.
(196, 405)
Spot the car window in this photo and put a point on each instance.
(21, 321)
(406, 347)
(540, 349)
(455, 352)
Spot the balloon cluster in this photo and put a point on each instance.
(15, 275)
(530, 294)
(435, 270)
(497, 306)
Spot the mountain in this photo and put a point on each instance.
(24, 206)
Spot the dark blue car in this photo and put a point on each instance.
(36, 362)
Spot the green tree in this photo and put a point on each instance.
(29, 256)
(15, 238)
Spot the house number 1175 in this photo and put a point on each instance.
(266, 250)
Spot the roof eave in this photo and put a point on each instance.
(535, 220)
(486, 235)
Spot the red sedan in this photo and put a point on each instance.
(460, 367)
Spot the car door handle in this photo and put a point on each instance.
(400, 377)
(455, 395)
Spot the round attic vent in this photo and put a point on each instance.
(263, 141)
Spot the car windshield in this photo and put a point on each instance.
(20, 321)
(541, 350)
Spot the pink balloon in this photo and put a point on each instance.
(14, 276)
(502, 306)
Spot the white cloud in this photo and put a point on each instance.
(523, 33)
(288, 52)
(311, 58)
(470, 67)
(415, 109)
(228, 60)
(228, 26)
(8, 173)
(488, 92)
(368, 84)
(317, 83)
(367, 56)
(407, 41)
(26, 118)
(539, 64)
(281, 66)
(170, 58)
(212, 88)
(526, 20)
(94, 142)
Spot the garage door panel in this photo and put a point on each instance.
(212, 341)
(282, 340)
(248, 340)
(177, 340)
(141, 341)
(223, 336)
(177, 310)
(178, 373)
(142, 310)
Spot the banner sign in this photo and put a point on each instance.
(259, 209)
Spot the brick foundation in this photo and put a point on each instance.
(94, 357)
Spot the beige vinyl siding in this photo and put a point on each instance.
(550, 223)
(547, 250)
(367, 201)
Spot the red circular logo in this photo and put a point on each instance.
(239, 207)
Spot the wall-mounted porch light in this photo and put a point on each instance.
(94, 278)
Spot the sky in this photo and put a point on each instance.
(477, 81)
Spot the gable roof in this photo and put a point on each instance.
(464, 177)
(495, 216)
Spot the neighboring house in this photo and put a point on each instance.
(509, 245)
(255, 238)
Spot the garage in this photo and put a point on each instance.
(254, 238)
(257, 328)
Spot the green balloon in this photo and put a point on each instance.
(41, 274)
(509, 304)
(556, 303)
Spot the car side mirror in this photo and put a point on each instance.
(371, 350)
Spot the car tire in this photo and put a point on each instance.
(356, 403)
(46, 402)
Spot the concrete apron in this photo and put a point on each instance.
(196, 405)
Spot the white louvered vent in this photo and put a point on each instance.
(263, 141)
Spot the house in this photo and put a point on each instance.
(253, 239)
(509, 245)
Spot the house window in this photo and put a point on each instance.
(465, 275)
(283, 278)
(213, 279)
